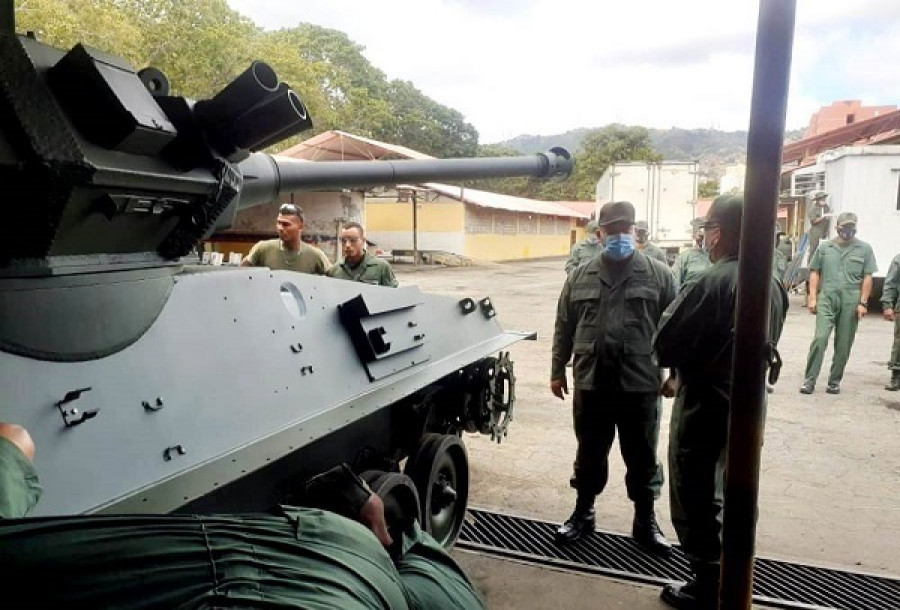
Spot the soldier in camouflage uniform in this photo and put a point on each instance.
(692, 262)
(642, 238)
(890, 298)
(357, 264)
(607, 312)
(587, 249)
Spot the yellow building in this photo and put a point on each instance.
(472, 223)
(465, 222)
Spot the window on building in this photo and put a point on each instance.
(850, 118)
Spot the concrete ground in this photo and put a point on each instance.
(830, 471)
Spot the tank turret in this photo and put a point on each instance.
(112, 172)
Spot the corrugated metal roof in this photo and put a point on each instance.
(510, 203)
(882, 128)
(340, 145)
(337, 145)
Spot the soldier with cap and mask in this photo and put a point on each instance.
(840, 282)
(692, 262)
(695, 340)
(607, 312)
(642, 238)
(819, 220)
(585, 250)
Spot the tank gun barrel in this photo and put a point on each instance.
(267, 177)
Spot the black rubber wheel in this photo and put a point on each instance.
(400, 497)
(439, 467)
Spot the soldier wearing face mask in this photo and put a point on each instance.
(693, 261)
(840, 282)
(585, 250)
(642, 239)
(607, 313)
(695, 340)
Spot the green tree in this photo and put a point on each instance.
(707, 189)
(600, 148)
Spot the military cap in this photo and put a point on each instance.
(591, 226)
(726, 212)
(816, 195)
(641, 225)
(697, 223)
(847, 218)
(616, 211)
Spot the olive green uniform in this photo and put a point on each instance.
(292, 558)
(606, 315)
(841, 271)
(655, 252)
(779, 265)
(689, 265)
(890, 299)
(271, 253)
(817, 232)
(370, 270)
(695, 338)
(586, 250)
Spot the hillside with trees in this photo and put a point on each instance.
(711, 147)
(200, 45)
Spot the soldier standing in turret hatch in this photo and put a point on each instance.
(607, 313)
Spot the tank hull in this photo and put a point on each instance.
(246, 380)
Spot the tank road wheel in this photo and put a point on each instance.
(401, 500)
(440, 469)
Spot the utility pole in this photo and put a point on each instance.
(415, 227)
(7, 17)
(774, 42)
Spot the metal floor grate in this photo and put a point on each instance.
(776, 583)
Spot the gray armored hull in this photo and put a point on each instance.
(235, 371)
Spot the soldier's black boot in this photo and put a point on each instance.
(645, 530)
(581, 522)
(699, 593)
(894, 385)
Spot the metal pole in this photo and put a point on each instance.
(7, 17)
(774, 40)
(415, 219)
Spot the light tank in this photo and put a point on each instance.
(153, 386)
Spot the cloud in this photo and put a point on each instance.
(546, 66)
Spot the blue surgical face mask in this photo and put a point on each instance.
(846, 233)
(619, 246)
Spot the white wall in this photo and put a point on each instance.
(663, 195)
(444, 241)
(866, 180)
(732, 180)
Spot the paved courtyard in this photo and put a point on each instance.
(830, 476)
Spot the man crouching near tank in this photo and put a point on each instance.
(607, 313)
(339, 551)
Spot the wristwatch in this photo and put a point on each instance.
(864, 304)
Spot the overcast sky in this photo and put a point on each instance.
(546, 66)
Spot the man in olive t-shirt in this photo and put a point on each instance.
(288, 252)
